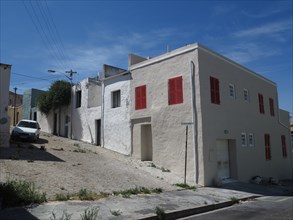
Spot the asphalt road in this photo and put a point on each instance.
(264, 208)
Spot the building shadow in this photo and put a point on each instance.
(28, 151)
(16, 213)
(284, 188)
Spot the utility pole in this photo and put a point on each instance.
(71, 109)
(14, 122)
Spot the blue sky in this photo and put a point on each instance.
(83, 35)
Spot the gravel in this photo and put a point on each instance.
(60, 165)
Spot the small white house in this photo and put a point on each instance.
(5, 71)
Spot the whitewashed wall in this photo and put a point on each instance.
(4, 96)
(117, 133)
(84, 117)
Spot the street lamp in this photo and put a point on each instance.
(70, 77)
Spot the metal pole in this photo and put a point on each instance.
(185, 168)
(14, 122)
(71, 109)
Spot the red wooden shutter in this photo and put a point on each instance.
(272, 110)
(143, 96)
(215, 90)
(284, 150)
(261, 104)
(140, 97)
(267, 147)
(179, 90)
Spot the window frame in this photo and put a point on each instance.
(268, 155)
(175, 90)
(251, 140)
(261, 103)
(246, 95)
(215, 90)
(116, 99)
(140, 97)
(232, 93)
(78, 95)
(243, 139)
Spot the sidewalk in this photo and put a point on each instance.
(176, 204)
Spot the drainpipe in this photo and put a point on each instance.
(194, 120)
(102, 113)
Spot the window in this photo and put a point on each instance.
(245, 95)
(284, 150)
(267, 147)
(78, 99)
(251, 140)
(215, 90)
(272, 109)
(140, 97)
(175, 90)
(243, 140)
(116, 99)
(232, 91)
(260, 104)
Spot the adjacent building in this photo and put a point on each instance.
(5, 71)
(29, 103)
(15, 107)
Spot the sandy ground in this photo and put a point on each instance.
(66, 166)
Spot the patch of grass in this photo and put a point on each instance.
(234, 200)
(152, 165)
(90, 213)
(65, 216)
(141, 190)
(62, 197)
(20, 193)
(185, 186)
(116, 212)
(79, 150)
(104, 194)
(165, 170)
(76, 144)
(84, 194)
(160, 212)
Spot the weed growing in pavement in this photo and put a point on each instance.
(116, 212)
(141, 190)
(90, 213)
(76, 144)
(160, 168)
(234, 200)
(65, 216)
(185, 186)
(20, 193)
(160, 212)
(104, 194)
(30, 161)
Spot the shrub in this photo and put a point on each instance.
(116, 212)
(161, 215)
(90, 213)
(20, 193)
(62, 197)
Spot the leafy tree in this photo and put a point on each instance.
(58, 95)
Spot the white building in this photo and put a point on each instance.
(5, 70)
(238, 131)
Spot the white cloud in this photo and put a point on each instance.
(268, 29)
(247, 52)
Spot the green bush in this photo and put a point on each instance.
(20, 193)
(90, 213)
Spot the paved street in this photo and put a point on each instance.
(264, 208)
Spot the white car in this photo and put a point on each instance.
(26, 129)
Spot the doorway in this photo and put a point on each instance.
(146, 143)
(98, 132)
(223, 161)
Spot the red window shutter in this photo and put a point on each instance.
(175, 90)
(272, 109)
(261, 104)
(215, 90)
(267, 147)
(140, 97)
(143, 96)
(284, 150)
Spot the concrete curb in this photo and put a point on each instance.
(198, 210)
